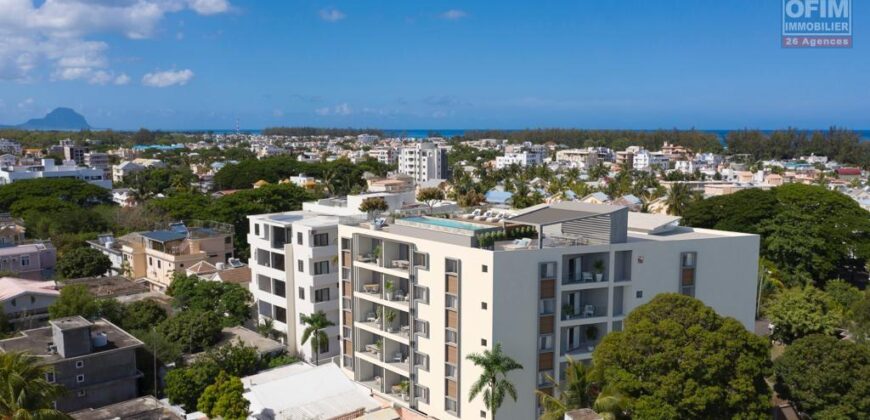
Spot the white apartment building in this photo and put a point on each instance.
(423, 161)
(526, 158)
(420, 294)
(385, 155)
(126, 168)
(645, 160)
(10, 147)
(48, 169)
(294, 271)
(585, 158)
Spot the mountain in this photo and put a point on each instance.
(59, 119)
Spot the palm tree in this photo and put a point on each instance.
(25, 393)
(314, 326)
(679, 198)
(610, 405)
(574, 393)
(493, 382)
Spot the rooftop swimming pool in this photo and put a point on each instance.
(447, 223)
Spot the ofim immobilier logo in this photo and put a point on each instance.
(817, 23)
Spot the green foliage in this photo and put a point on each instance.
(804, 228)
(230, 302)
(825, 377)
(166, 350)
(493, 384)
(315, 324)
(677, 358)
(318, 131)
(196, 330)
(236, 358)
(185, 385)
(24, 391)
(615, 139)
(430, 196)
(74, 300)
(153, 181)
(111, 310)
(71, 191)
(224, 399)
(838, 144)
(859, 319)
(573, 393)
(279, 360)
(83, 262)
(373, 205)
(460, 152)
(799, 312)
(142, 315)
(842, 294)
(340, 176)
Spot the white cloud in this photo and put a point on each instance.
(56, 34)
(167, 78)
(27, 103)
(122, 79)
(332, 15)
(454, 14)
(341, 110)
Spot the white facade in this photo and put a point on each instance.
(385, 155)
(9, 146)
(49, 170)
(294, 271)
(684, 166)
(423, 162)
(645, 160)
(525, 158)
(543, 300)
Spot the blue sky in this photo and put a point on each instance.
(176, 64)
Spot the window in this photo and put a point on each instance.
(256, 229)
(264, 258)
(25, 260)
(421, 361)
(280, 288)
(321, 267)
(150, 261)
(280, 314)
(687, 273)
(277, 261)
(451, 405)
(483, 342)
(421, 260)
(421, 328)
(324, 348)
(264, 283)
(483, 305)
(546, 306)
(80, 364)
(451, 336)
(49, 376)
(321, 239)
(80, 378)
(638, 294)
(158, 263)
(545, 342)
(452, 301)
(300, 266)
(450, 371)
(451, 266)
(298, 238)
(81, 393)
(421, 293)
(421, 393)
(302, 293)
(482, 414)
(321, 295)
(484, 268)
(548, 270)
(345, 243)
(264, 309)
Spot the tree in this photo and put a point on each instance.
(224, 399)
(83, 262)
(185, 385)
(111, 310)
(237, 359)
(677, 358)
(314, 326)
(72, 191)
(373, 206)
(493, 384)
(228, 301)
(74, 300)
(843, 295)
(25, 394)
(195, 330)
(142, 315)
(679, 198)
(575, 392)
(799, 312)
(430, 196)
(859, 319)
(825, 377)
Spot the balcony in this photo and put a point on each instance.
(581, 340)
(586, 268)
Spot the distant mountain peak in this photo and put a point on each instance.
(58, 119)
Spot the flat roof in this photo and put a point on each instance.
(70, 323)
(564, 211)
(37, 341)
(651, 223)
(142, 408)
(164, 235)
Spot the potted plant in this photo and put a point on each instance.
(591, 333)
(567, 311)
(599, 269)
(376, 252)
(379, 346)
(388, 288)
(389, 316)
(404, 386)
